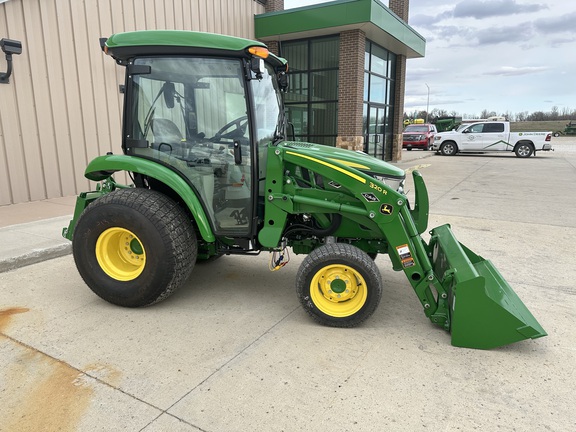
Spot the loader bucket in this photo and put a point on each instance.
(484, 310)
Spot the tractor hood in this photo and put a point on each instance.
(353, 159)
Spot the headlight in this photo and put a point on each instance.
(437, 137)
(394, 182)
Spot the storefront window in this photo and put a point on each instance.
(312, 98)
(379, 78)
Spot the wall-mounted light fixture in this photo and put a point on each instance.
(9, 47)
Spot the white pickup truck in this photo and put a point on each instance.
(491, 136)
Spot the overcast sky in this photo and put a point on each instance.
(506, 56)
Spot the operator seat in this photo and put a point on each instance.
(165, 132)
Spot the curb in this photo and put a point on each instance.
(35, 257)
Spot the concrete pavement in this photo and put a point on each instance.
(233, 350)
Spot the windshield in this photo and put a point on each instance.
(268, 104)
(269, 120)
(412, 128)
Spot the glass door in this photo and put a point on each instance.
(374, 131)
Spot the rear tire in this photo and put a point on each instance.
(524, 150)
(339, 285)
(448, 149)
(134, 247)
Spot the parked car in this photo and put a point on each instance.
(492, 136)
(420, 136)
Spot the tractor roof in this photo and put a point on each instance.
(123, 46)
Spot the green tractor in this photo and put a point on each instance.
(570, 129)
(212, 173)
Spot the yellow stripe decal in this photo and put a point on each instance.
(350, 164)
(334, 167)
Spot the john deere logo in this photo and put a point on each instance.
(386, 209)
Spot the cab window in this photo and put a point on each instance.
(190, 114)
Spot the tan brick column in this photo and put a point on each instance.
(351, 90)
(274, 5)
(273, 47)
(400, 8)
(398, 118)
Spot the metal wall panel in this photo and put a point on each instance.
(62, 107)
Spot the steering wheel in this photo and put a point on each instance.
(238, 127)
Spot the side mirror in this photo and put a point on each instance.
(169, 92)
(9, 47)
(257, 66)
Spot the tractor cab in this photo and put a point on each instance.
(208, 116)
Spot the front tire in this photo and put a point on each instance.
(448, 149)
(339, 285)
(134, 247)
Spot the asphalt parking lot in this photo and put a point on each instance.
(233, 350)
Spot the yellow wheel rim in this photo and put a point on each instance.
(338, 290)
(120, 254)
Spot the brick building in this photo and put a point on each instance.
(347, 63)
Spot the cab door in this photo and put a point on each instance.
(191, 114)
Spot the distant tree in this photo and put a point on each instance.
(554, 114)
(509, 116)
(486, 114)
(567, 114)
(536, 116)
(437, 112)
(421, 114)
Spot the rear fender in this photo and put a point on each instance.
(104, 166)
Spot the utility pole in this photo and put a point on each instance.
(427, 102)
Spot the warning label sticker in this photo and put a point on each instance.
(405, 255)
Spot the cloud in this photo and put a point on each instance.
(479, 9)
(557, 42)
(515, 71)
(496, 35)
(426, 20)
(558, 24)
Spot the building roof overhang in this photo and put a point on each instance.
(378, 22)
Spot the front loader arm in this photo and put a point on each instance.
(352, 192)
(359, 197)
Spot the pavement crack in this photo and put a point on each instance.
(79, 371)
(231, 359)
